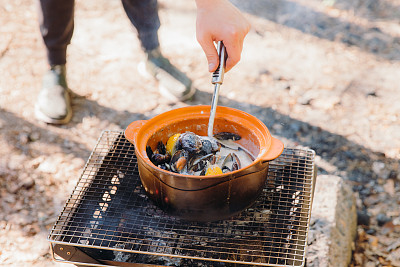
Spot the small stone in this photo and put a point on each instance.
(13, 188)
(27, 183)
(381, 219)
(377, 166)
(371, 200)
(389, 187)
(326, 102)
(373, 94)
(396, 221)
(23, 138)
(264, 72)
(47, 166)
(34, 163)
(363, 218)
(30, 230)
(34, 136)
(305, 100)
(394, 175)
(371, 231)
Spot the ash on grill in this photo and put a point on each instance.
(110, 218)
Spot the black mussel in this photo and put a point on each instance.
(199, 163)
(190, 142)
(227, 136)
(149, 152)
(209, 145)
(230, 163)
(161, 148)
(159, 159)
(179, 161)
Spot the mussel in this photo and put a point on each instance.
(159, 159)
(189, 153)
(179, 161)
(209, 145)
(159, 156)
(190, 142)
(227, 136)
(230, 163)
(197, 164)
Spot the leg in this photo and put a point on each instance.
(144, 16)
(56, 19)
(173, 84)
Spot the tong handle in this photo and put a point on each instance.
(218, 74)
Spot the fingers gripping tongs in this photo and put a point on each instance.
(217, 79)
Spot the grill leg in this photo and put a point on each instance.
(73, 254)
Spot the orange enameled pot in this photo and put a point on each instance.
(204, 198)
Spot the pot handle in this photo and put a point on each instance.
(132, 130)
(274, 151)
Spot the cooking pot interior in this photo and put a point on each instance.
(199, 126)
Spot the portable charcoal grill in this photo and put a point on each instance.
(108, 219)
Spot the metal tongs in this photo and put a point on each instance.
(217, 79)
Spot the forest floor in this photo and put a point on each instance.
(322, 74)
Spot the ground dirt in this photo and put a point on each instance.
(320, 74)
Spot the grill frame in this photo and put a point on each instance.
(99, 214)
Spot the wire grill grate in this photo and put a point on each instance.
(109, 217)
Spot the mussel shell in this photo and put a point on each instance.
(159, 159)
(231, 163)
(209, 145)
(227, 136)
(225, 169)
(161, 148)
(179, 161)
(199, 163)
(190, 142)
(149, 152)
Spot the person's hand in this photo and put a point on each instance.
(219, 20)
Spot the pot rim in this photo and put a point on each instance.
(270, 147)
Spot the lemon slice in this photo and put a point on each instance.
(171, 143)
(213, 170)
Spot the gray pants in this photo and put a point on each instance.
(56, 20)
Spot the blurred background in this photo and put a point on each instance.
(321, 74)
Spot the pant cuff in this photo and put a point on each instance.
(149, 40)
(57, 56)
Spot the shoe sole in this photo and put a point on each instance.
(42, 117)
(163, 90)
(167, 94)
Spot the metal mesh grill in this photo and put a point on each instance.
(109, 212)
